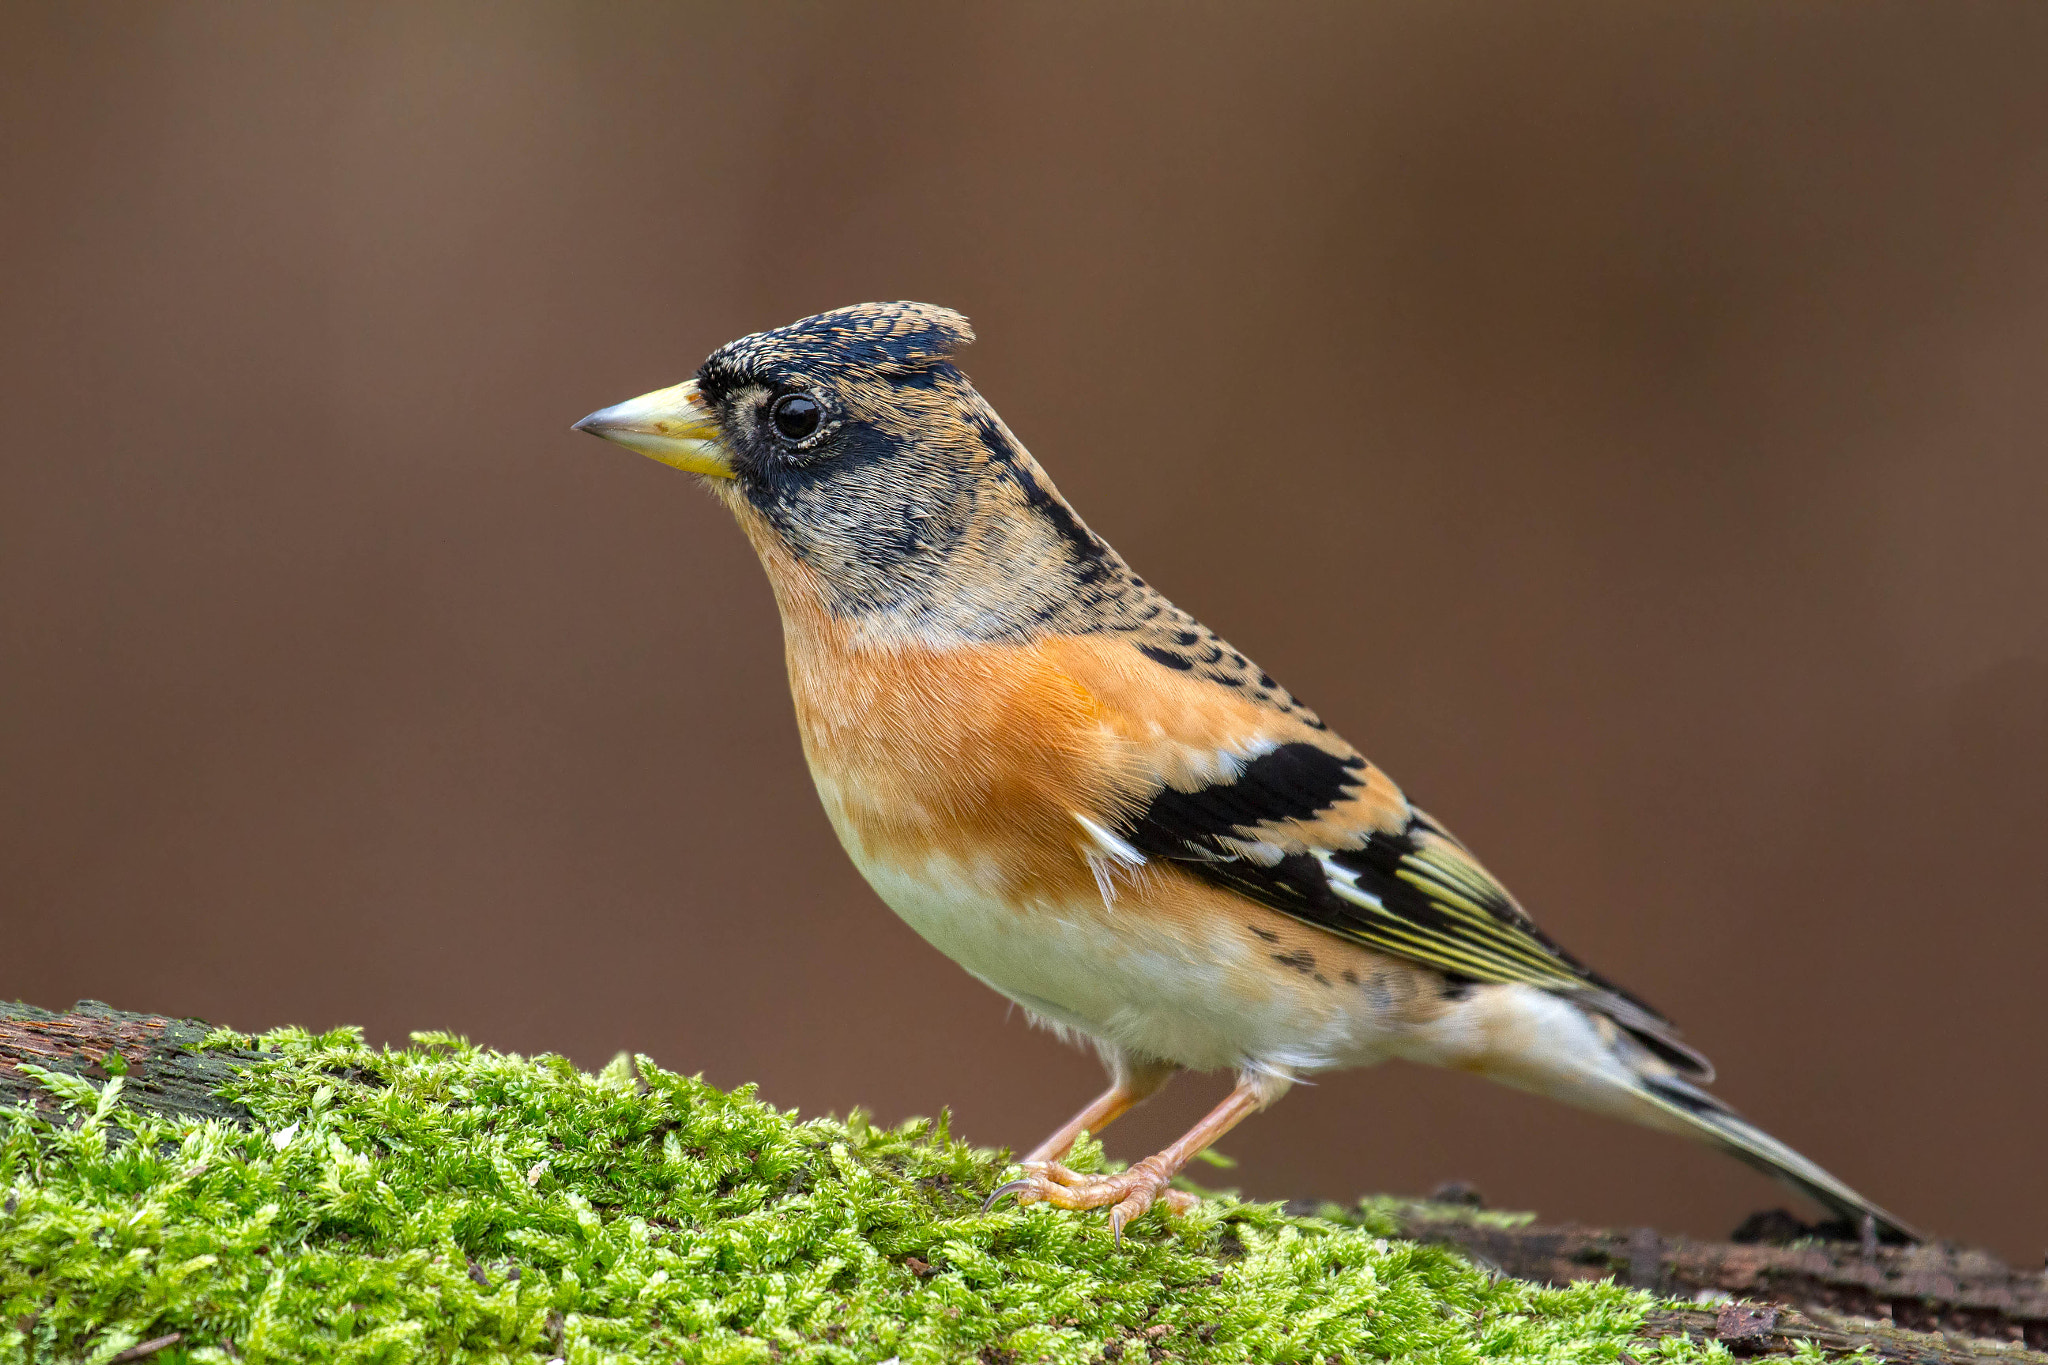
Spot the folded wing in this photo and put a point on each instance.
(1311, 829)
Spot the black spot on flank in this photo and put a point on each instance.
(1265, 679)
(1455, 987)
(1186, 637)
(1266, 934)
(1303, 962)
(1350, 977)
(1322, 980)
(1167, 657)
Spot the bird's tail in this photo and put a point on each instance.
(1584, 1057)
(1698, 1115)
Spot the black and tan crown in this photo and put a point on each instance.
(869, 339)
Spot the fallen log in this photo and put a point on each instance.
(1752, 1330)
(1933, 1288)
(164, 1069)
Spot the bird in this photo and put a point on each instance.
(1100, 808)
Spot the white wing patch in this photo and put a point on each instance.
(1105, 855)
(1345, 883)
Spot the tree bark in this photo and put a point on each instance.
(165, 1072)
(1933, 1305)
(1927, 1290)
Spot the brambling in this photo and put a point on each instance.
(1096, 805)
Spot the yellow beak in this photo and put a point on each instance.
(673, 425)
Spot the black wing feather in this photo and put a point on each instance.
(1414, 892)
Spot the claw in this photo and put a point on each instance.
(1129, 1209)
(1011, 1187)
(1127, 1195)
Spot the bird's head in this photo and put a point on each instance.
(856, 455)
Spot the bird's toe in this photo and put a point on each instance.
(1127, 1194)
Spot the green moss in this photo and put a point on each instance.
(1388, 1211)
(442, 1202)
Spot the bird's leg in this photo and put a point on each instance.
(1131, 1084)
(1133, 1191)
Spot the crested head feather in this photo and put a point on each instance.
(876, 339)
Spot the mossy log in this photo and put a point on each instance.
(1938, 1304)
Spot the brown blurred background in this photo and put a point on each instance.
(1625, 422)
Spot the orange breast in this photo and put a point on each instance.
(979, 753)
(982, 754)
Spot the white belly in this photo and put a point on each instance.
(1204, 1001)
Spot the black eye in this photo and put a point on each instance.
(796, 416)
